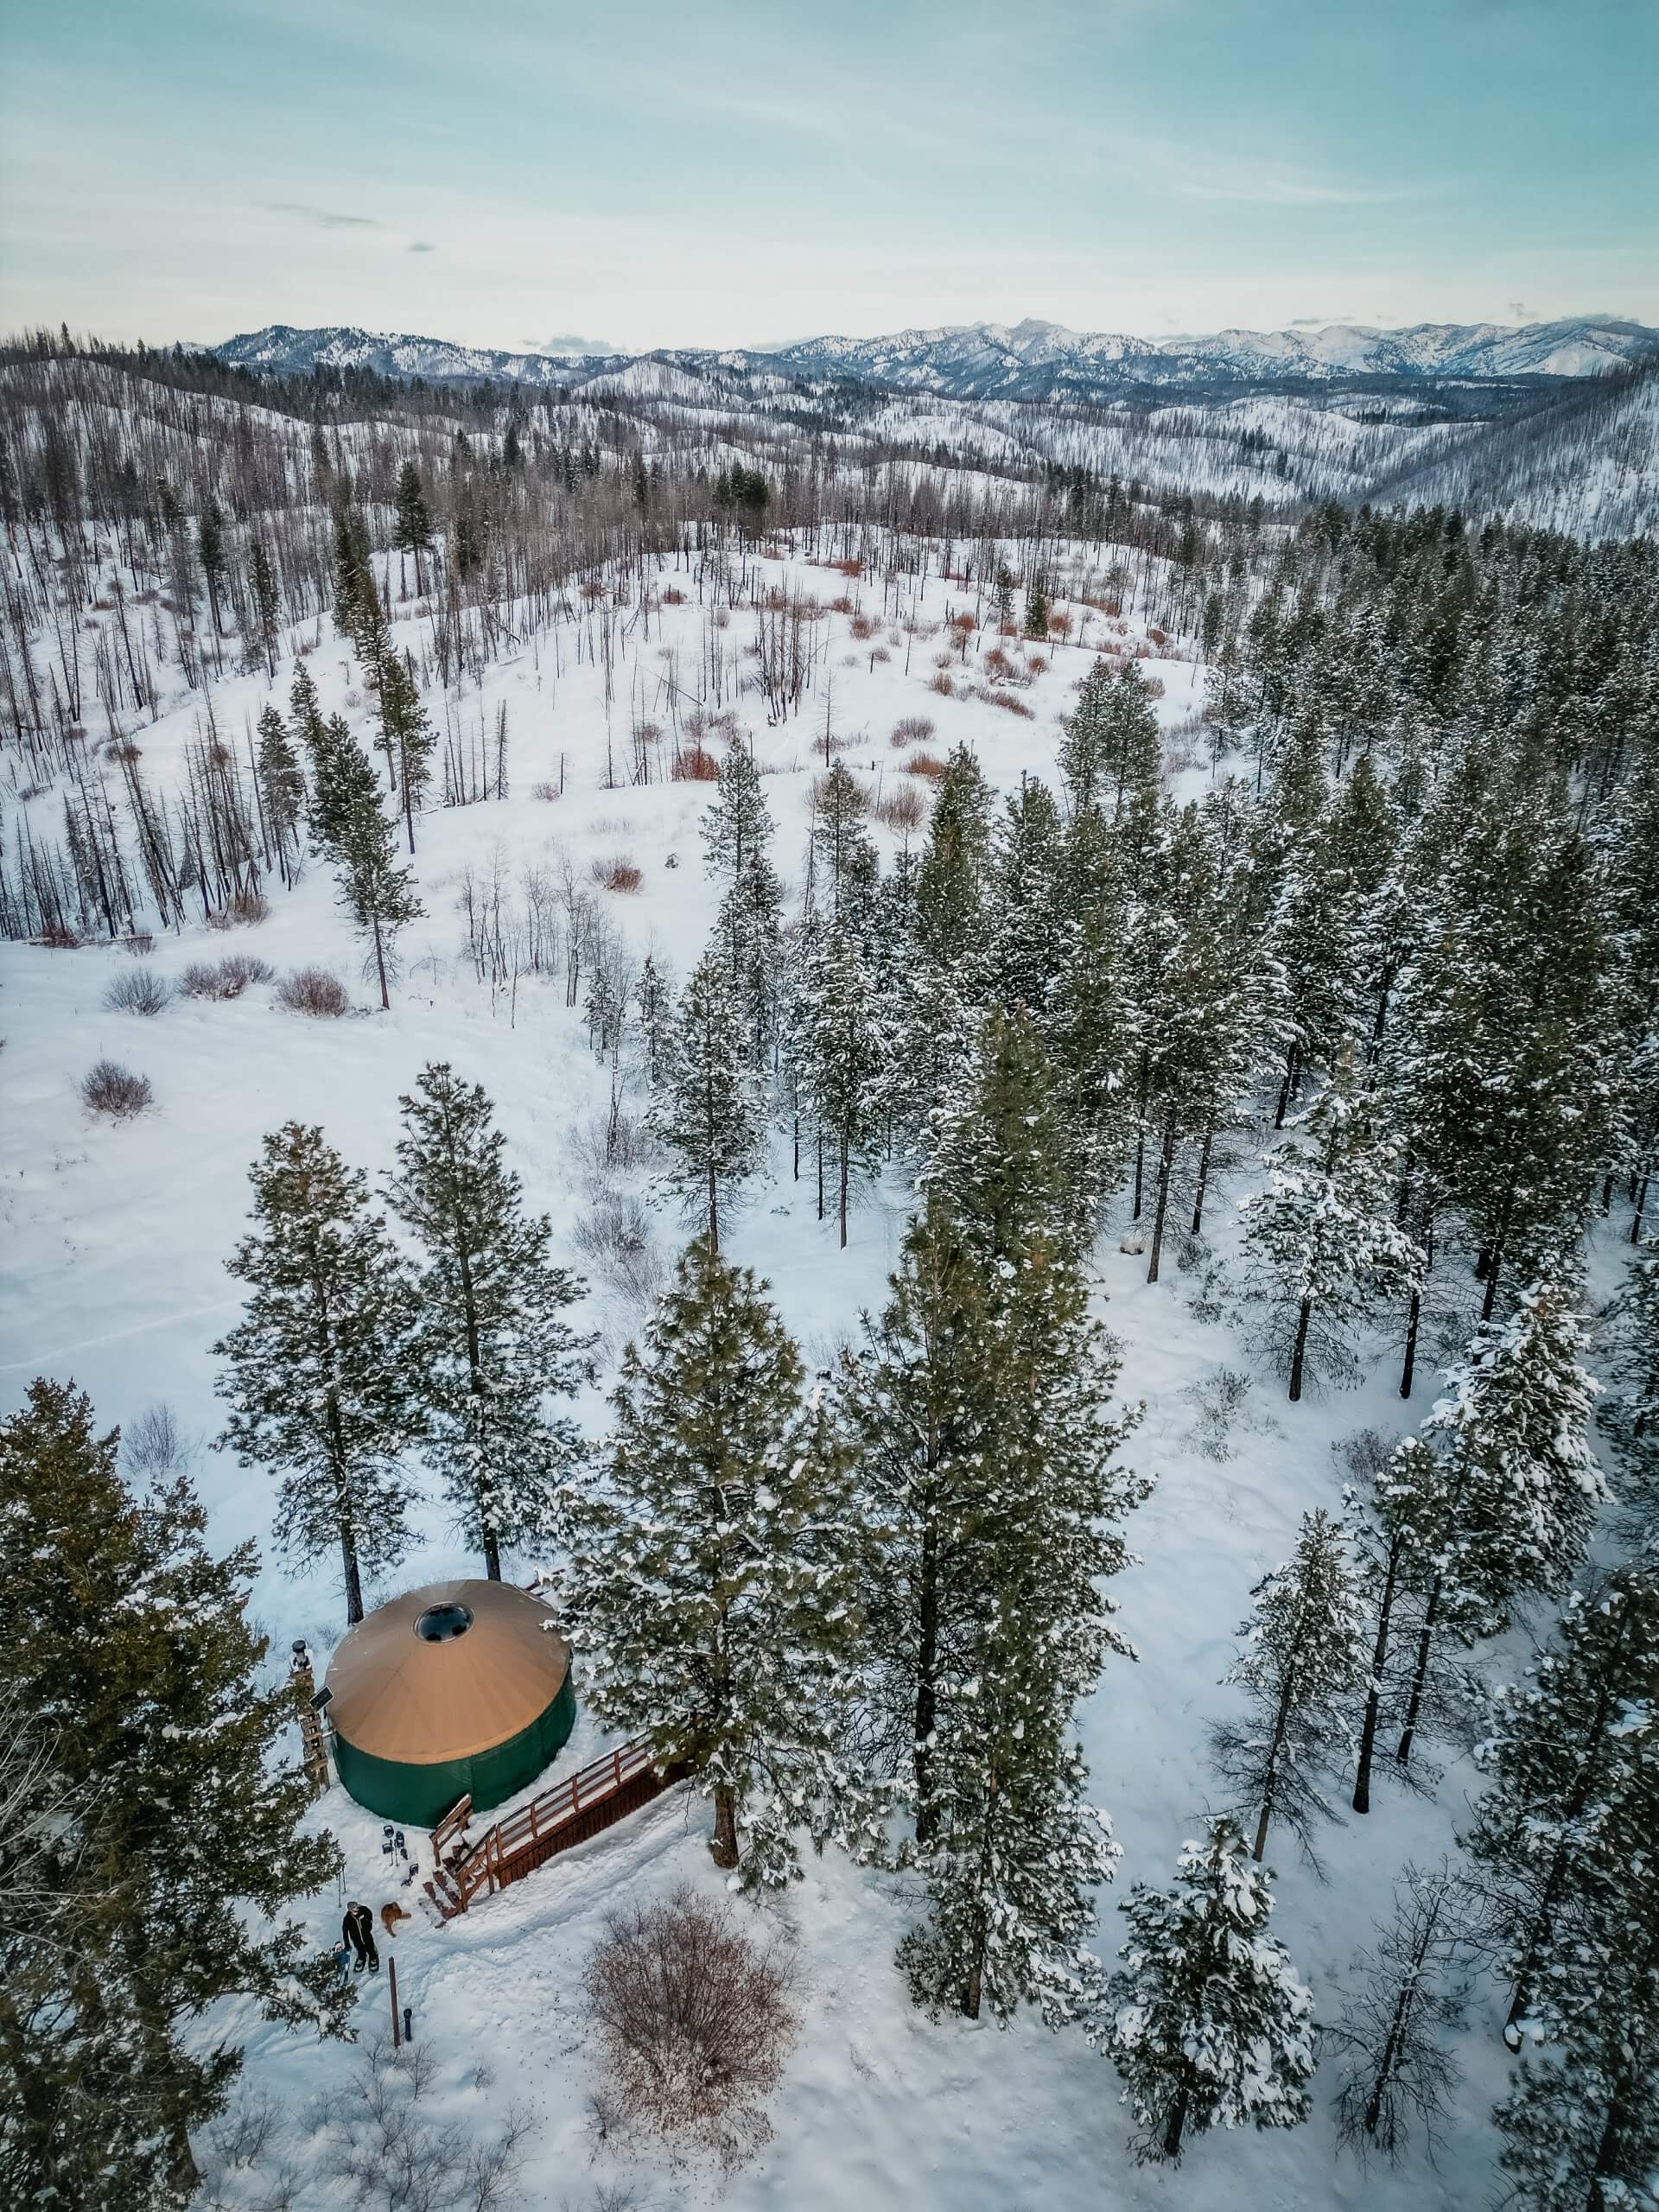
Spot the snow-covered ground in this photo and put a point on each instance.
(112, 1242)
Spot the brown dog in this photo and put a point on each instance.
(390, 1917)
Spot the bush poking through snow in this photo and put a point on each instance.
(154, 1448)
(316, 992)
(903, 808)
(694, 2021)
(110, 1089)
(225, 979)
(914, 730)
(618, 872)
(244, 909)
(140, 990)
(377, 2138)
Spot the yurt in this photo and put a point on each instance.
(459, 1689)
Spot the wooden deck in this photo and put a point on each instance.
(576, 1808)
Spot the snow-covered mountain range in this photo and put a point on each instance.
(1026, 361)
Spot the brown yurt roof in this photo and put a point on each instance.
(401, 1697)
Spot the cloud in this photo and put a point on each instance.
(567, 344)
(325, 219)
(1520, 312)
(421, 245)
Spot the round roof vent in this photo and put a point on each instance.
(443, 1624)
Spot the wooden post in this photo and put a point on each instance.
(391, 1983)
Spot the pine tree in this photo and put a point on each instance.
(1395, 2069)
(1211, 2025)
(166, 1841)
(1036, 625)
(1093, 1023)
(653, 1002)
(379, 896)
(1583, 2131)
(838, 1049)
(1518, 1482)
(749, 930)
(737, 826)
(1325, 1242)
(1027, 933)
(1007, 1846)
(490, 1346)
(1303, 1655)
(267, 603)
(1566, 1831)
(412, 531)
(845, 866)
(707, 1109)
(303, 706)
(405, 735)
(316, 1379)
(281, 790)
(210, 550)
(1632, 1416)
(712, 1585)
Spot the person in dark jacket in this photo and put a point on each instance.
(358, 1926)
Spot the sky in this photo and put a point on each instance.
(529, 173)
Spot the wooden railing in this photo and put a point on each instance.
(580, 1806)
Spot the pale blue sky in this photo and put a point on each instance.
(509, 173)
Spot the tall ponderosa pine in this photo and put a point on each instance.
(282, 791)
(167, 1833)
(489, 1346)
(1519, 1485)
(1631, 1415)
(838, 1051)
(377, 894)
(1325, 1242)
(406, 735)
(1302, 1657)
(1009, 1850)
(1211, 2025)
(317, 1376)
(1566, 1834)
(713, 1582)
(707, 1109)
(412, 530)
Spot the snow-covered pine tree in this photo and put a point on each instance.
(307, 712)
(1303, 1656)
(749, 932)
(282, 791)
(953, 882)
(1632, 1413)
(406, 735)
(1011, 1851)
(917, 1402)
(316, 1377)
(1094, 1027)
(1087, 756)
(168, 1841)
(1519, 1485)
(1582, 2131)
(1325, 1241)
(1566, 1830)
(1028, 924)
(1403, 1521)
(737, 826)
(707, 1109)
(1211, 2025)
(653, 1004)
(839, 1051)
(1395, 2069)
(712, 1583)
(846, 867)
(379, 896)
(490, 1346)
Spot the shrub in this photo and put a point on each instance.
(618, 872)
(242, 909)
(864, 625)
(58, 936)
(924, 764)
(140, 990)
(110, 1089)
(544, 791)
(225, 979)
(154, 1448)
(693, 2020)
(674, 596)
(943, 685)
(695, 765)
(903, 808)
(914, 730)
(140, 944)
(1008, 704)
(314, 991)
